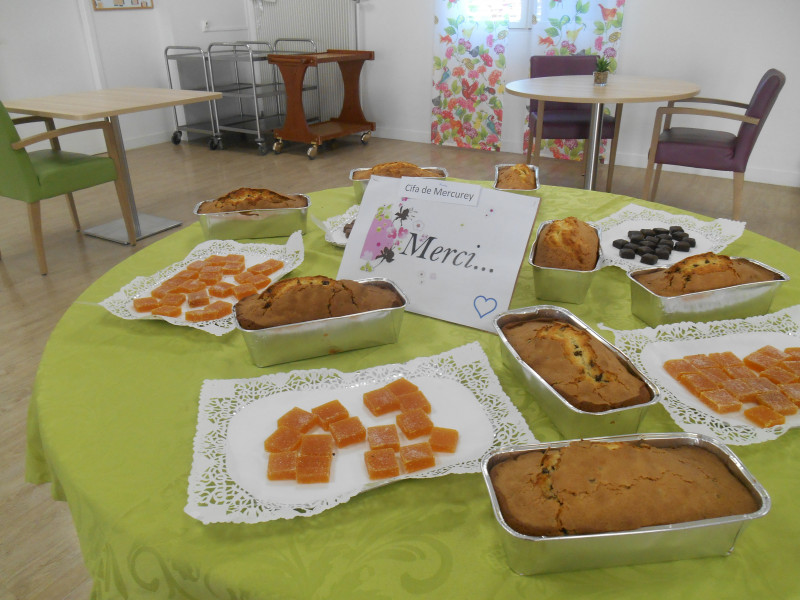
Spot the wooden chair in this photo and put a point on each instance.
(709, 148)
(568, 120)
(41, 174)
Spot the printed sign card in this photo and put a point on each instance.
(453, 248)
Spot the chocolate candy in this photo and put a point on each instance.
(663, 252)
(619, 243)
(649, 259)
(682, 246)
(679, 235)
(692, 243)
(627, 253)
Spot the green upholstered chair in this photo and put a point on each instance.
(41, 174)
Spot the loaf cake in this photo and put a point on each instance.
(582, 370)
(703, 272)
(301, 299)
(599, 487)
(251, 199)
(397, 169)
(516, 177)
(567, 244)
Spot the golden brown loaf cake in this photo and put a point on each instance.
(251, 199)
(703, 272)
(596, 487)
(516, 177)
(585, 372)
(567, 244)
(397, 169)
(300, 299)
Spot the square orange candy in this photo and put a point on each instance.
(381, 463)
(416, 457)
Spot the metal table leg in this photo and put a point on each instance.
(593, 146)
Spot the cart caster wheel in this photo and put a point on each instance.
(262, 149)
(365, 137)
(312, 152)
(214, 144)
(277, 147)
(176, 137)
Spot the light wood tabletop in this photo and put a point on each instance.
(582, 89)
(109, 104)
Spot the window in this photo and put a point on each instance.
(518, 12)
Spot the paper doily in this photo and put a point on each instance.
(120, 304)
(711, 236)
(334, 227)
(213, 494)
(690, 415)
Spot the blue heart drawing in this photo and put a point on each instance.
(484, 306)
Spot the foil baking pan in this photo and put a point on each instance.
(309, 339)
(498, 168)
(532, 555)
(562, 285)
(254, 224)
(569, 420)
(360, 185)
(735, 302)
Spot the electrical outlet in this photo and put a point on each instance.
(204, 25)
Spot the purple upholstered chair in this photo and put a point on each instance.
(568, 120)
(708, 148)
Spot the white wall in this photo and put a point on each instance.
(56, 46)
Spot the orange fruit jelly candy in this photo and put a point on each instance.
(740, 371)
(232, 268)
(196, 265)
(764, 416)
(413, 401)
(678, 366)
(316, 444)
(759, 385)
(244, 290)
(777, 402)
(764, 357)
(196, 316)
(145, 304)
(191, 285)
(414, 423)
(792, 365)
(243, 277)
(401, 386)
(268, 267)
(778, 374)
(313, 469)
(196, 299)
(173, 299)
(221, 289)
(697, 382)
(701, 361)
(282, 440)
(793, 351)
(381, 463)
(219, 309)
(347, 432)
(282, 465)
(383, 436)
(443, 439)
(721, 401)
(725, 359)
(416, 457)
(299, 419)
(260, 281)
(167, 311)
(740, 389)
(381, 401)
(330, 412)
(215, 260)
(716, 374)
(791, 391)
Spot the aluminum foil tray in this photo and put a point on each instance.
(529, 192)
(287, 343)
(570, 421)
(359, 185)
(531, 555)
(253, 224)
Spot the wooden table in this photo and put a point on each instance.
(581, 89)
(109, 104)
(351, 119)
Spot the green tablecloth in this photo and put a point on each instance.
(113, 417)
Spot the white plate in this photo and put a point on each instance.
(228, 480)
(121, 303)
(334, 227)
(453, 406)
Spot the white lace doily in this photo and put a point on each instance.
(711, 236)
(120, 304)
(221, 464)
(649, 348)
(334, 227)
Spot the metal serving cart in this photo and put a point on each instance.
(191, 68)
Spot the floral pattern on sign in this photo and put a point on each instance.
(468, 65)
(576, 28)
(388, 229)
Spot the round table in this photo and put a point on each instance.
(114, 412)
(581, 89)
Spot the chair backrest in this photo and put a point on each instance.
(18, 179)
(760, 106)
(551, 66)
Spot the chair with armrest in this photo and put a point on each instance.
(708, 148)
(568, 120)
(41, 174)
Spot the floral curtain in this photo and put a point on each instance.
(468, 64)
(567, 27)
